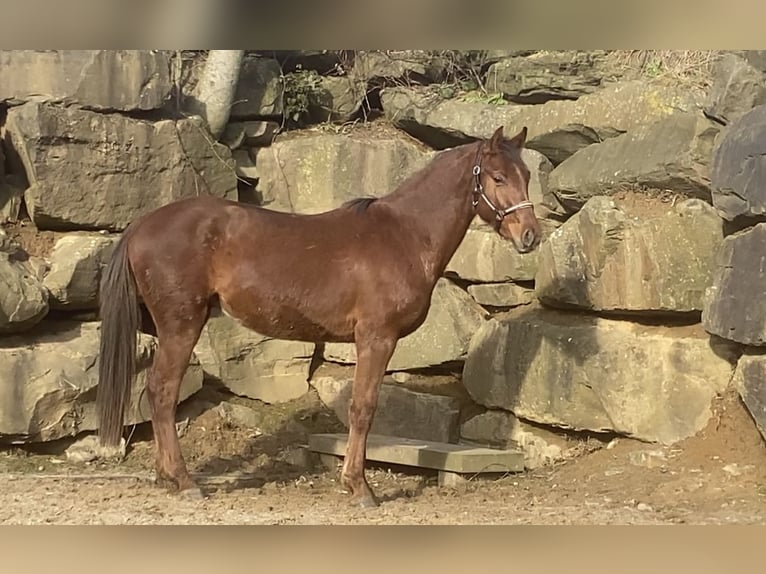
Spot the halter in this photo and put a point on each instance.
(478, 191)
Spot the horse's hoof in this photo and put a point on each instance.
(368, 501)
(193, 494)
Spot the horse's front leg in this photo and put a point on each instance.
(373, 351)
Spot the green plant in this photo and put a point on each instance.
(300, 88)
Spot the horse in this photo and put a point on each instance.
(361, 273)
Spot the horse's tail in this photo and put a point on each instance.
(120, 317)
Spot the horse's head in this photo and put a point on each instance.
(500, 195)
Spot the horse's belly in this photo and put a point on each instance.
(289, 322)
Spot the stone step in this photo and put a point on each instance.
(456, 458)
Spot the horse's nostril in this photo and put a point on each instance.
(528, 238)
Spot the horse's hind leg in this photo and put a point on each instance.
(176, 342)
(373, 352)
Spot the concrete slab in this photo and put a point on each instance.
(449, 457)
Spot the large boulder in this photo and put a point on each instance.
(496, 428)
(733, 307)
(76, 263)
(557, 129)
(400, 412)
(251, 365)
(314, 172)
(622, 257)
(550, 75)
(23, 298)
(124, 80)
(501, 294)
(11, 197)
(671, 154)
(737, 87)
(583, 372)
(337, 98)
(738, 173)
(749, 378)
(259, 90)
(443, 338)
(91, 171)
(485, 257)
(48, 381)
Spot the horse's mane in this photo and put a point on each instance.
(359, 204)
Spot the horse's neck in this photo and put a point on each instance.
(439, 206)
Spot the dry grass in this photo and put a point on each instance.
(690, 68)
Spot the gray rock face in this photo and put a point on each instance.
(400, 412)
(444, 336)
(77, 261)
(589, 373)
(550, 75)
(604, 258)
(737, 87)
(501, 294)
(48, 382)
(738, 175)
(23, 298)
(673, 154)
(124, 80)
(259, 90)
(317, 172)
(92, 171)
(733, 306)
(749, 380)
(500, 429)
(557, 129)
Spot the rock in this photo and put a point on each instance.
(444, 336)
(500, 429)
(738, 173)
(240, 415)
(337, 99)
(653, 383)
(550, 75)
(400, 412)
(557, 129)
(74, 277)
(91, 171)
(89, 448)
(732, 308)
(330, 169)
(737, 88)
(501, 294)
(386, 67)
(648, 458)
(249, 134)
(23, 298)
(610, 257)
(259, 90)
(11, 196)
(756, 58)
(484, 256)
(749, 377)
(671, 154)
(244, 165)
(124, 80)
(546, 203)
(251, 365)
(48, 382)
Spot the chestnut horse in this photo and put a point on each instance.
(361, 273)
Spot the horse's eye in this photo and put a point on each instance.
(498, 178)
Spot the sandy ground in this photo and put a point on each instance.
(259, 474)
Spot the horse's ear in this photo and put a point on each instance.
(520, 138)
(496, 139)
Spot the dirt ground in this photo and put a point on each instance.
(257, 473)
